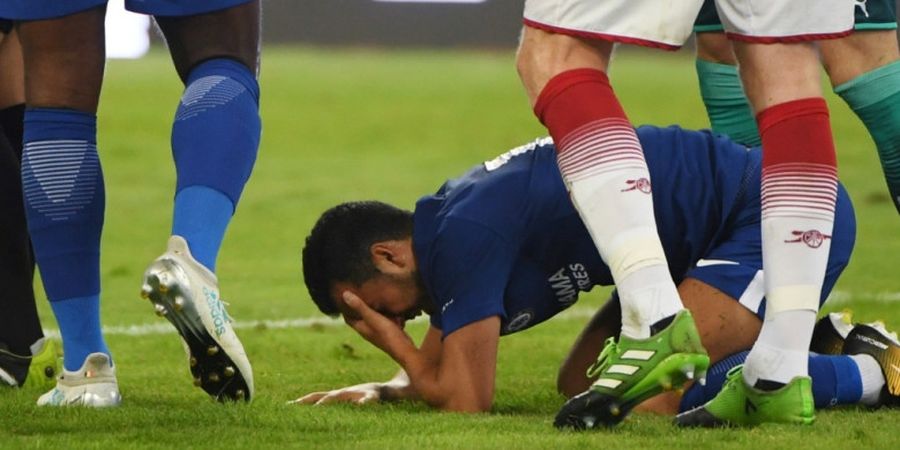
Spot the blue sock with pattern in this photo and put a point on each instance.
(215, 139)
(64, 202)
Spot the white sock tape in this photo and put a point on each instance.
(792, 298)
(633, 251)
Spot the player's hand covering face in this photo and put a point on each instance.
(382, 332)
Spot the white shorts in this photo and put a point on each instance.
(668, 23)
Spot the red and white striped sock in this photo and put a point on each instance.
(799, 190)
(603, 165)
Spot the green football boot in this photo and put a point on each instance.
(45, 366)
(738, 404)
(632, 370)
(37, 372)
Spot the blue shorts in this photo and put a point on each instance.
(734, 264)
(51, 9)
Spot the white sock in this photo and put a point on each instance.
(797, 220)
(646, 297)
(7, 378)
(782, 349)
(37, 346)
(617, 209)
(872, 378)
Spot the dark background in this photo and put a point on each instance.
(491, 24)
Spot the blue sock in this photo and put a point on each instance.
(835, 381)
(79, 324)
(64, 203)
(698, 395)
(215, 139)
(201, 217)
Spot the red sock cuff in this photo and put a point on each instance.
(797, 132)
(789, 110)
(574, 98)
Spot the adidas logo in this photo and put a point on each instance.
(216, 310)
(640, 355)
(624, 368)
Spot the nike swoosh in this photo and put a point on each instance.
(446, 305)
(716, 262)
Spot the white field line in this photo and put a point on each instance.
(839, 298)
(845, 297)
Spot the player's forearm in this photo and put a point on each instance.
(430, 381)
(454, 374)
(450, 378)
(421, 374)
(420, 368)
(436, 386)
(417, 368)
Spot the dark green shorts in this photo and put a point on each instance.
(870, 15)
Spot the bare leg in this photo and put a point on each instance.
(778, 73)
(861, 52)
(60, 71)
(542, 56)
(715, 47)
(230, 33)
(12, 74)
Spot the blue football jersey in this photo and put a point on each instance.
(504, 239)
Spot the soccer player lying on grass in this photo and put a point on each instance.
(502, 249)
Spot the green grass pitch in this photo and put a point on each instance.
(343, 125)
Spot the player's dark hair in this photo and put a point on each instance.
(337, 248)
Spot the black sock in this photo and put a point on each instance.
(19, 323)
(768, 385)
(661, 324)
(12, 121)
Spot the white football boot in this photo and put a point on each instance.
(94, 385)
(187, 294)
